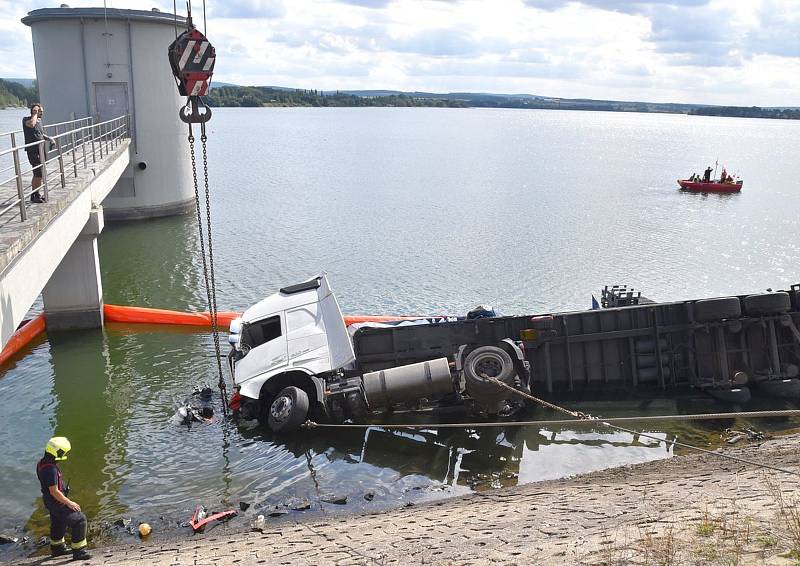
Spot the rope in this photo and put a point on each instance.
(588, 419)
(615, 427)
(541, 423)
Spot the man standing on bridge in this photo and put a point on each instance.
(63, 511)
(32, 127)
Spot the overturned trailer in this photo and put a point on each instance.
(719, 345)
(292, 356)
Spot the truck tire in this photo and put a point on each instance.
(711, 310)
(494, 362)
(288, 410)
(767, 303)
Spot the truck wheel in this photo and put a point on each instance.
(767, 303)
(494, 362)
(710, 310)
(288, 410)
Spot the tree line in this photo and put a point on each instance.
(253, 96)
(15, 95)
(748, 112)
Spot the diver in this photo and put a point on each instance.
(64, 512)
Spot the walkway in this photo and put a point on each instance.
(696, 509)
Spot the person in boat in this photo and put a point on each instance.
(707, 176)
(723, 178)
(64, 513)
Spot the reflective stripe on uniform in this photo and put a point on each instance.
(78, 545)
(56, 542)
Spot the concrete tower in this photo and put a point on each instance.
(108, 62)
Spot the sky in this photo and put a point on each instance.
(732, 52)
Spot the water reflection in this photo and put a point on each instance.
(85, 412)
(479, 458)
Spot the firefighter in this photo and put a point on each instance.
(64, 512)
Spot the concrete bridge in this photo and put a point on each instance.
(51, 248)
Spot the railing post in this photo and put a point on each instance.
(105, 135)
(23, 213)
(61, 163)
(42, 160)
(83, 147)
(74, 162)
(91, 136)
(100, 138)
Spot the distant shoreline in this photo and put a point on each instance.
(254, 97)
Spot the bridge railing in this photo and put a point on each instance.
(76, 145)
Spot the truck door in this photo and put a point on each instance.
(265, 343)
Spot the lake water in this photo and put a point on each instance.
(410, 211)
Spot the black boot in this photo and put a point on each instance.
(81, 554)
(59, 549)
(36, 197)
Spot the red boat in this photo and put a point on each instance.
(710, 187)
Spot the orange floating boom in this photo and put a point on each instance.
(144, 315)
(22, 337)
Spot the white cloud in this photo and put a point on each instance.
(712, 51)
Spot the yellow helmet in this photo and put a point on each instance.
(58, 446)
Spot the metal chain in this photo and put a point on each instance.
(203, 253)
(212, 277)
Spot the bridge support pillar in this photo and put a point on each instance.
(73, 297)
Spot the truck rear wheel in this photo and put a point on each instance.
(493, 362)
(288, 410)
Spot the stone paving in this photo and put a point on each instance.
(696, 509)
(16, 234)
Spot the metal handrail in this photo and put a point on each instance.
(70, 151)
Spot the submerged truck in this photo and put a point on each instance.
(293, 358)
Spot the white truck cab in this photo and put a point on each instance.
(298, 329)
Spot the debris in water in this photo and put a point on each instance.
(258, 524)
(5, 539)
(299, 504)
(277, 512)
(122, 522)
(201, 517)
(369, 496)
(244, 506)
(335, 499)
(144, 530)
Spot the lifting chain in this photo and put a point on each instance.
(208, 264)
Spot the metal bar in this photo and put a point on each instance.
(567, 350)
(634, 367)
(775, 359)
(722, 354)
(23, 213)
(657, 337)
(74, 164)
(61, 163)
(548, 370)
(83, 148)
(43, 159)
(91, 137)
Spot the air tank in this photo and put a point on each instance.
(109, 62)
(408, 384)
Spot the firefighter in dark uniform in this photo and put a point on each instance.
(64, 513)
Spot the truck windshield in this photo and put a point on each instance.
(261, 332)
